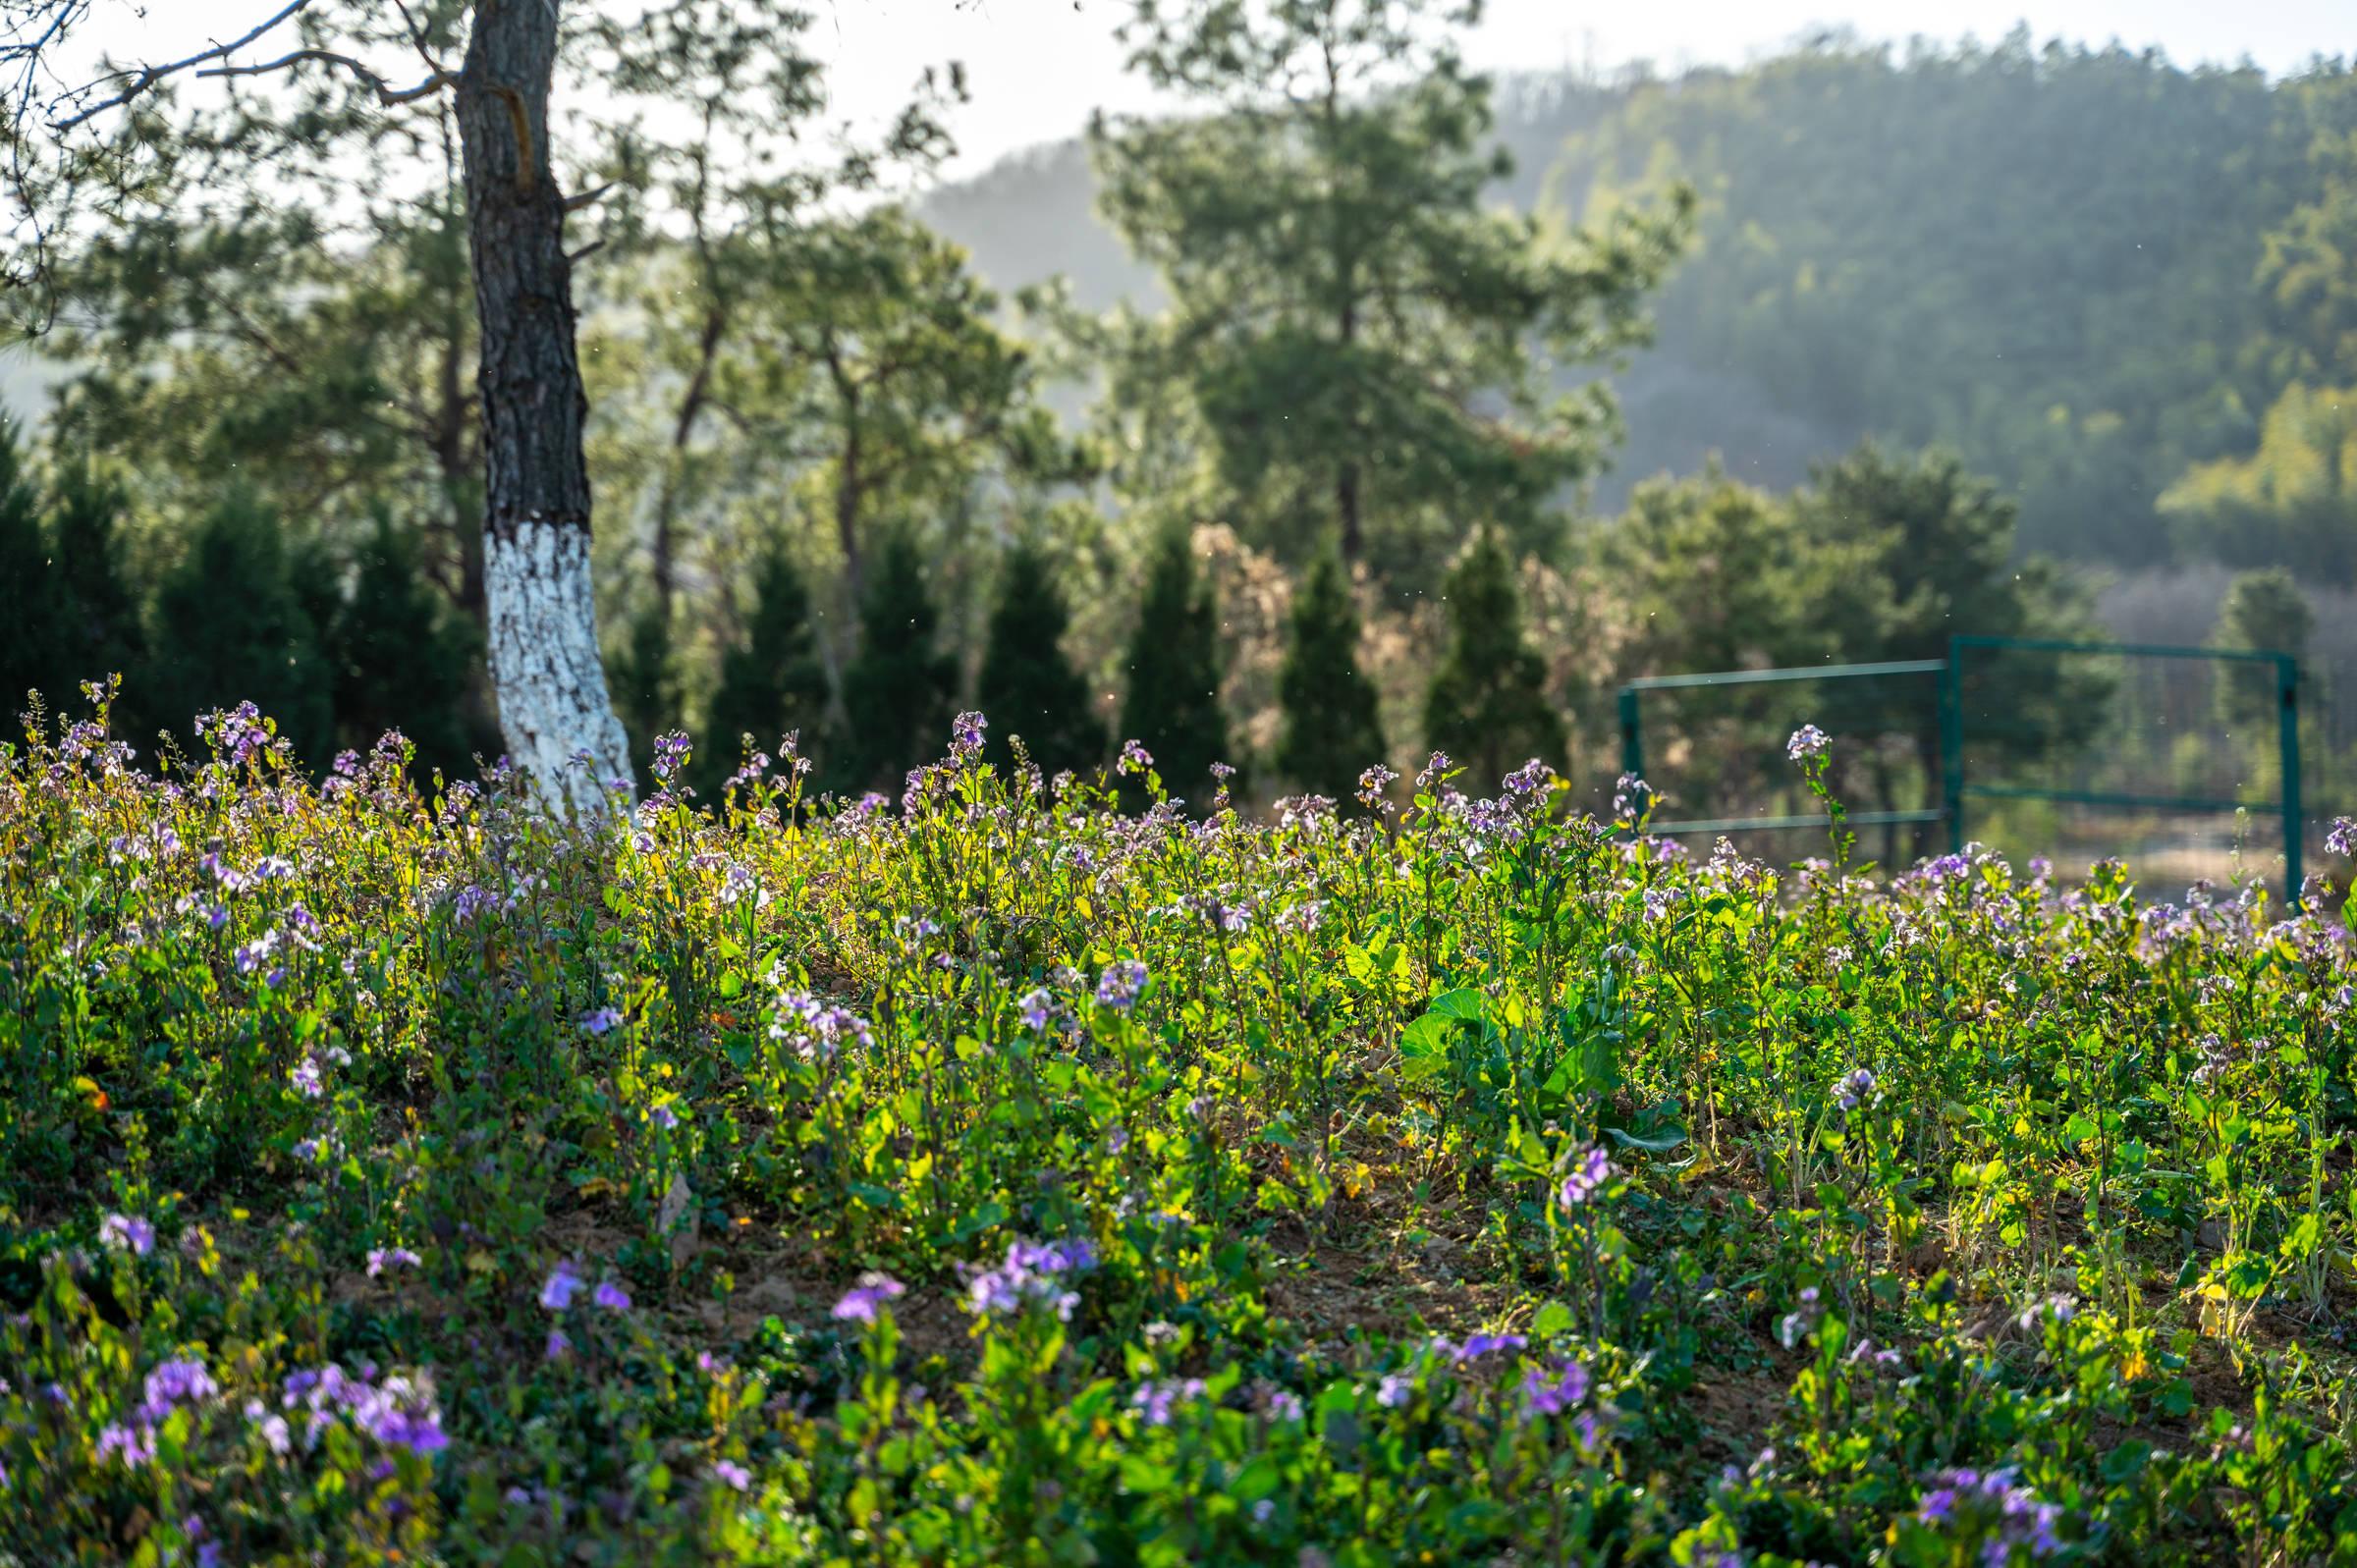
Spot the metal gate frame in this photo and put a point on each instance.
(1956, 789)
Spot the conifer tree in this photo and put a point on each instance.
(71, 617)
(231, 627)
(896, 695)
(98, 617)
(645, 683)
(1173, 706)
(27, 630)
(402, 659)
(1487, 706)
(1332, 730)
(2265, 612)
(1027, 687)
(772, 684)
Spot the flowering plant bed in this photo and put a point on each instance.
(991, 1178)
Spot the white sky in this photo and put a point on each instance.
(1038, 67)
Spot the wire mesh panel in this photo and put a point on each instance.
(2172, 760)
(1710, 749)
(2187, 764)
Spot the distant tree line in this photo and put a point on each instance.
(845, 488)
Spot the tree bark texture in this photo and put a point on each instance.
(554, 709)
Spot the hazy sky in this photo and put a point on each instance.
(1037, 66)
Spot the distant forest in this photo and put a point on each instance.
(2124, 290)
(1280, 436)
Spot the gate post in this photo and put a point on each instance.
(2287, 707)
(1951, 744)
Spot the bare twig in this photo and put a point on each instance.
(148, 76)
(386, 94)
(575, 202)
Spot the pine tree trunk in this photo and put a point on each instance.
(546, 663)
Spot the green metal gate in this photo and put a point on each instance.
(1958, 789)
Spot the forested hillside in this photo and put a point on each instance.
(2087, 271)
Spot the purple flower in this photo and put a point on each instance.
(1808, 745)
(611, 1296)
(664, 1117)
(133, 1445)
(671, 755)
(1395, 1389)
(306, 1079)
(1031, 1274)
(564, 1282)
(1155, 1401)
(2341, 837)
(598, 1023)
(175, 1383)
(1118, 986)
(1588, 1174)
(860, 1304)
(965, 733)
(1480, 1345)
(1553, 1395)
(381, 1258)
(1038, 1008)
(126, 1230)
(1373, 783)
(1531, 776)
(558, 1344)
(733, 1474)
(1134, 758)
(1855, 1087)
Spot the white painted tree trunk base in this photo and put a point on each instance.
(546, 667)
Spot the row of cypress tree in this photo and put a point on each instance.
(337, 647)
(1486, 705)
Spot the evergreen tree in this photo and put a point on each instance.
(402, 660)
(772, 684)
(1027, 687)
(98, 633)
(1487, 706)
(231, 627)
(1361, 332)
(27, 585)
(1172, 707)
(896, 695)
(646, 685)
(1331, 731)
(2263, 611)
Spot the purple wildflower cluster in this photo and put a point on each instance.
(1590, 1171)
(671, 755)
(1991, 1507)
(860, 1303)
(1552, 1392)
(127, 1232)
(1034, 1274)
(1372, 783)
(1156, 1401)
(1808, 745)
(1134, 758)
(2341, 837)
(1857, 1086)
(566, 1281)
(1118, 986)
(965, 736)
(814, 1029)
(399, 1412)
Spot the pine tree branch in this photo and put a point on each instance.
(386, 94)
(148, 77)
